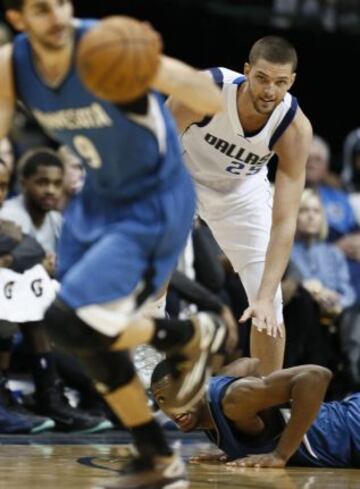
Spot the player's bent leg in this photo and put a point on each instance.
(114, 376)
(269, 350)
(193, 346)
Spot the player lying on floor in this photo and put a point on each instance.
(270, 421)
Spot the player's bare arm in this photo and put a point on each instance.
(7, 95)
(304, 386)
(183, 114)
(188, 86)
(292, 150)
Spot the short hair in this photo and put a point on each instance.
(34, 158)
(275, 50)
(307, 194)
(13, 4)
(161, 370)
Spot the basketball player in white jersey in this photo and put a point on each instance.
(227, 155)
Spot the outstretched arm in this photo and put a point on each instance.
(7, 95)
(305, 386)
(194, 91)
(292, 150)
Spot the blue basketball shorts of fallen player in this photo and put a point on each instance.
(104, 255)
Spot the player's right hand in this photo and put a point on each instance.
(262, 312)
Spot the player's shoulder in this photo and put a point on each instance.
(302, 123)
(299, 130)
(223, 76)
(239, 388)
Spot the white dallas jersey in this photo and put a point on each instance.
(218, 152)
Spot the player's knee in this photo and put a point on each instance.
(70, 333)
(110, 370)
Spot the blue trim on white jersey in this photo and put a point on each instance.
(239, 80)
(218, 78)
(287, 120)
(217, 75)
(204, 121)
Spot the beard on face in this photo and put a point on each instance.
(49, 44)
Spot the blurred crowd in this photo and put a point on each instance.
(330, 15)
(321, 287)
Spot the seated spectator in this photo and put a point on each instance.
(343, 229)
(322, 267)
(34, 210)
(50, 400)
(11, 421)
(350, 175)
(322, 270)
(306, 339)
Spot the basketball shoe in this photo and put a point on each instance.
(156, 473)
(193, 363)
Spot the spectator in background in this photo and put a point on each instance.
(322, 270)
(350, 175)
(41, 180)
(343, 228)
(34, 210)
(322, 267)
(74, 176)
(12, 422)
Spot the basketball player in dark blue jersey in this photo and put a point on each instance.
(270, 421)
(124, 231)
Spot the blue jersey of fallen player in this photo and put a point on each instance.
(332, 441)
(127, 155)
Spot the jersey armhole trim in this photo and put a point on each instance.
(284, 124)
(218, 78)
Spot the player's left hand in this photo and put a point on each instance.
(272, 459)
(263, 314)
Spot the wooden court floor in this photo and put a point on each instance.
(81, 466)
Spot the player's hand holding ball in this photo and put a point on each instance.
(118, 58)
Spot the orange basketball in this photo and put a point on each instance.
(118, 58)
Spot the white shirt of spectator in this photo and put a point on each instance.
(47, 234)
